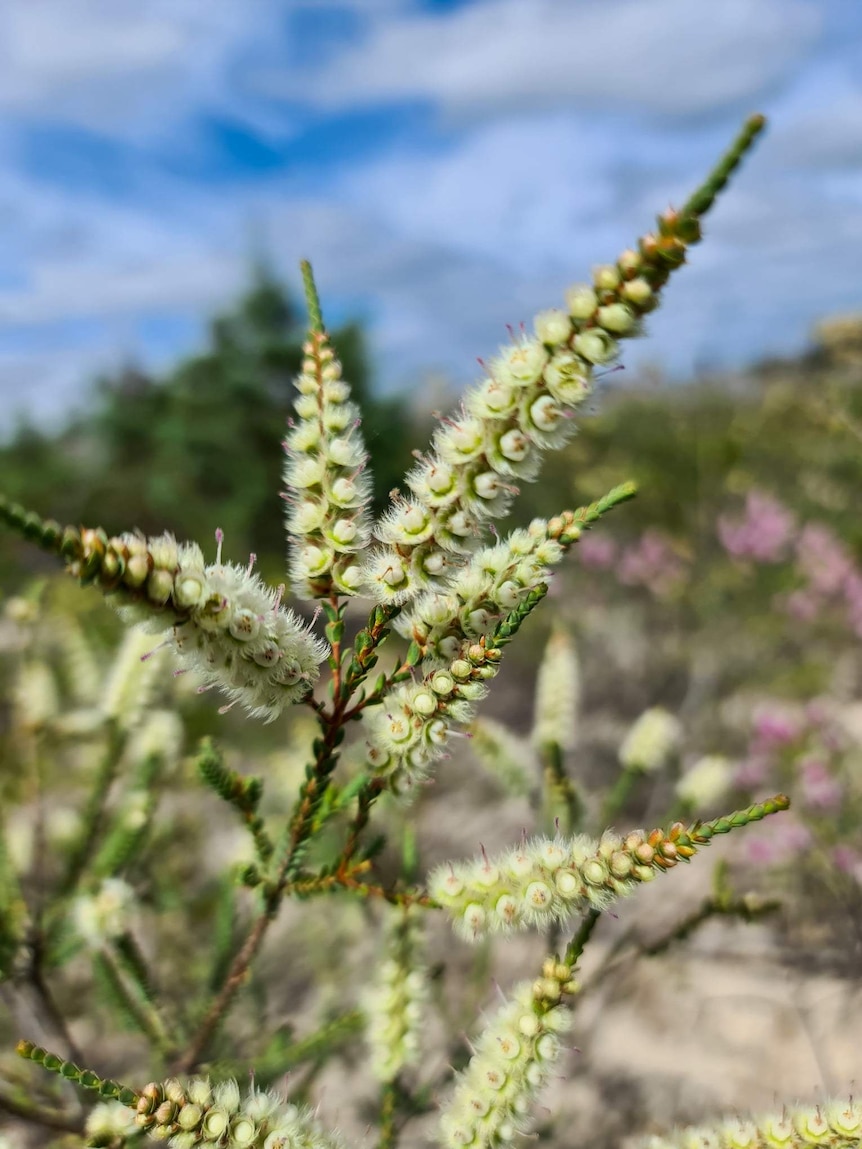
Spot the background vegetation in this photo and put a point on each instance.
(754, 646)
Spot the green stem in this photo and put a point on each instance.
(300, 831)
(94, 814)
(703, 198)
(388, 1110)
(578, 944)
(743, 908)
(316, 1046)
(135, 997)
(562, 802)
(35, 977)
(619, 794)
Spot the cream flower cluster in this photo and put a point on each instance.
(108, 1123)
(833, 1124)
(494, 582)
(558, 691)
(706, 782)
(548, 879)
(495, 1096)
(650, 742)
(395, 1004)
(225, 622)
(325, 472)
(36, 697)
(407, 733)
(101, 917)
(523, 407)
(542, 881)
(202, 1114)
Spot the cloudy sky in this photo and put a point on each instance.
(449, 166)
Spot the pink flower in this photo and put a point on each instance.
(651, 562)
(803, 605)
(823, 559)
(853, 601)
(819, 788)
(777, 842)
(751, 773)
(848, 861)
(764, 532)
(776, 724)
(597, 552)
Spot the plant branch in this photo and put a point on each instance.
(357, 667)
(747, 908)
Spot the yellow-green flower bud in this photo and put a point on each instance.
(630, 261)
(606, 277)
(639, 294)
(595, 345)
(616, 318)
(552, 327)
(582, 301)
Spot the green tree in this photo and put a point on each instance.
(161, 453)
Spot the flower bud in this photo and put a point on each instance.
(595, 345)
(552, 327)
(616, 318)
(582, 301)
(639, 294)
(606, 277)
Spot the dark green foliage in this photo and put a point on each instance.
(161, 453)
(244, 794)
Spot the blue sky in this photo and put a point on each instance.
(449, 166)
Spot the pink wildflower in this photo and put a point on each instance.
(848, 861)
(751, 773)
(597, 552)
(823, 559)
(802, 605)
(777, 843)
(775, 724)
(651, 562)
(820, 789)
(764, 532)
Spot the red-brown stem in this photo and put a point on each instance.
(347, 881)
(187, 1062)
(331, 722)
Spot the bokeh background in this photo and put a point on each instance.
(450, 167)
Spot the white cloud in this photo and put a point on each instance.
(437, 250)
(654, 56)
(120, 66)
(80, 256)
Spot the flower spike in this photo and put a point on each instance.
(550, 879)
(219, 618)
(526, 404)
(327, 488)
